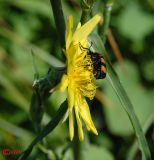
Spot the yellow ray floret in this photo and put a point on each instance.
(79, 79)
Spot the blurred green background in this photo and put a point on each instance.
(28, 25)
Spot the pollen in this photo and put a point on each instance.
(82, 75)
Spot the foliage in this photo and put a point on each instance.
(27, 26)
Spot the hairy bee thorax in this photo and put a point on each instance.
(98, 62)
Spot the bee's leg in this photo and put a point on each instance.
(83, 48)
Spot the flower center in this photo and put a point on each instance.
(81, 75)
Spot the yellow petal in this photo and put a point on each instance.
(69, 31)
(78, 26)
(71, 124)
(63, 83)
(71, 52)
(70, 97)
(86, 116)
(86, 29)
(79, 123)
(70, 108)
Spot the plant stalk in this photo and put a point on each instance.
(59, 20)
(103, 30)
(86, 6)
(48, 129)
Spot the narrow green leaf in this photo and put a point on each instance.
(133, 150)
(15, 130)
(48, 128)
(124, 99)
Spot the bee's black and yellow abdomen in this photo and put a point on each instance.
(99, 65)
(103, 67)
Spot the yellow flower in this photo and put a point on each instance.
(79, 79)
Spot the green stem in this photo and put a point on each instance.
(59, 20)
(86, 6)
(79, 148)
(76, 144)
(48, 129)
(85, 16)
(103, 30)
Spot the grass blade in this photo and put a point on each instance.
(124, 99)
(133, 150)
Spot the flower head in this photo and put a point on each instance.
(79, 80)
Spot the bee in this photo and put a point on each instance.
(99, 64)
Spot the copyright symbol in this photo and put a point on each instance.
(6, 152)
